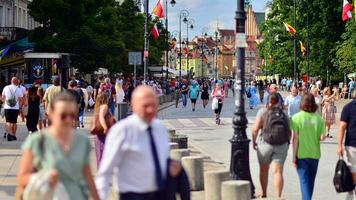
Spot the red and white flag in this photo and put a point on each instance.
(155, 32)
(158, 10)
(346, 11)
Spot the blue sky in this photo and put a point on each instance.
(206, 13)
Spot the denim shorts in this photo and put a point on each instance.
(267, 153)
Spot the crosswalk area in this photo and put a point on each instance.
(198, 123)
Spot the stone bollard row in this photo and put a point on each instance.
(235, 190)
(178, 154)
(212, 183)
(193, 165)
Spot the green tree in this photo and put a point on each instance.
(325, 29)
(98, 33)
(345, 50)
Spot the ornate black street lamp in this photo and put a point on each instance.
(183, 14)
(173, 3)
(240, 164)
(190, 24)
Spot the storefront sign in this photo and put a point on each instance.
(38, 71)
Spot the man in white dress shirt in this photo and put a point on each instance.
(138, 147)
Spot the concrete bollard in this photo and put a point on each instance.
(237, 190)
(178, 154)
(193, 165)
(173, 145)
(212, 183)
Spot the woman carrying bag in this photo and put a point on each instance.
(102, 121)
(61, 153)
(218, 95)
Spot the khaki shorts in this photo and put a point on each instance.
(267, 153)
(351, 158)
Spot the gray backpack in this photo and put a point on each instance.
(275, 127)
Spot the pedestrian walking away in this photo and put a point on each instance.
(218, 101)
(261, 90)
(253, 99)
(273, 89)
(194, 94)
(61, 153)
(292, 102)
(271, 144)
(308, 130)
(328, 109)
(102, 122)
(50, 92)
(351, 88)
(13, 101)
(347, 130)
(32, 102)
(138, 147)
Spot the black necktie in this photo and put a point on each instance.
(158, 172)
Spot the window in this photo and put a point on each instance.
(19, 17)
(8, 17)
(2, 16)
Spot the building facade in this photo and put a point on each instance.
(226, 56)
(15, 22)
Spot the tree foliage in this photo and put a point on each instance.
(99, 33)
(325, 29)
(345, 50)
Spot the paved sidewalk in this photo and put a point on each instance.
(10, 154)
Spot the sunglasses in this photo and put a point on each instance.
(65, 116)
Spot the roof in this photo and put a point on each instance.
(260, 17)
(227, 32)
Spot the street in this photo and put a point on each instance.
(213, 141)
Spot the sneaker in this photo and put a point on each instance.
(349, 197)
(5, 135)
(193, 109)
(14, 137)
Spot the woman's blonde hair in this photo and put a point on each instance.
(325, 91)
(101, 99)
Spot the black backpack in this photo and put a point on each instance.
(276, 127)
(343, 178)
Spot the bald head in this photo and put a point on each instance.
(144, 103)
(273, 88)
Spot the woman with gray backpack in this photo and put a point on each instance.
(272, 143)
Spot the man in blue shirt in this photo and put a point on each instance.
(292, 102)
(194, 94)
(348, 125)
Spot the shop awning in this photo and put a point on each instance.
(12, 62)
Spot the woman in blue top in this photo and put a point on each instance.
(252, 95)
(194, 94)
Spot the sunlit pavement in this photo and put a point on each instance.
(213, 141)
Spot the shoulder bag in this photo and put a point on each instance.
(96, 128)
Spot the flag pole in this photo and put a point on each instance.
(295, 45)
(308, 46)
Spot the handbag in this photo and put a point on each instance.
(215, 104)
(343, 178)
(38, 187)
(91, 102)
(96, 128)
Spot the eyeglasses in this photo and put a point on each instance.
(65, 116)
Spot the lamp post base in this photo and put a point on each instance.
(240, 166)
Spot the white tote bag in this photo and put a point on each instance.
(38, 188)
(215, 104)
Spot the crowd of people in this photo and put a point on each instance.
(59, 151)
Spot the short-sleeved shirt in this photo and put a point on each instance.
(348, 115)
(293, 104)
(183, 86)
(12, 91)
(69, 165)
(194, 92)
(310, 127)
(50, 93)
